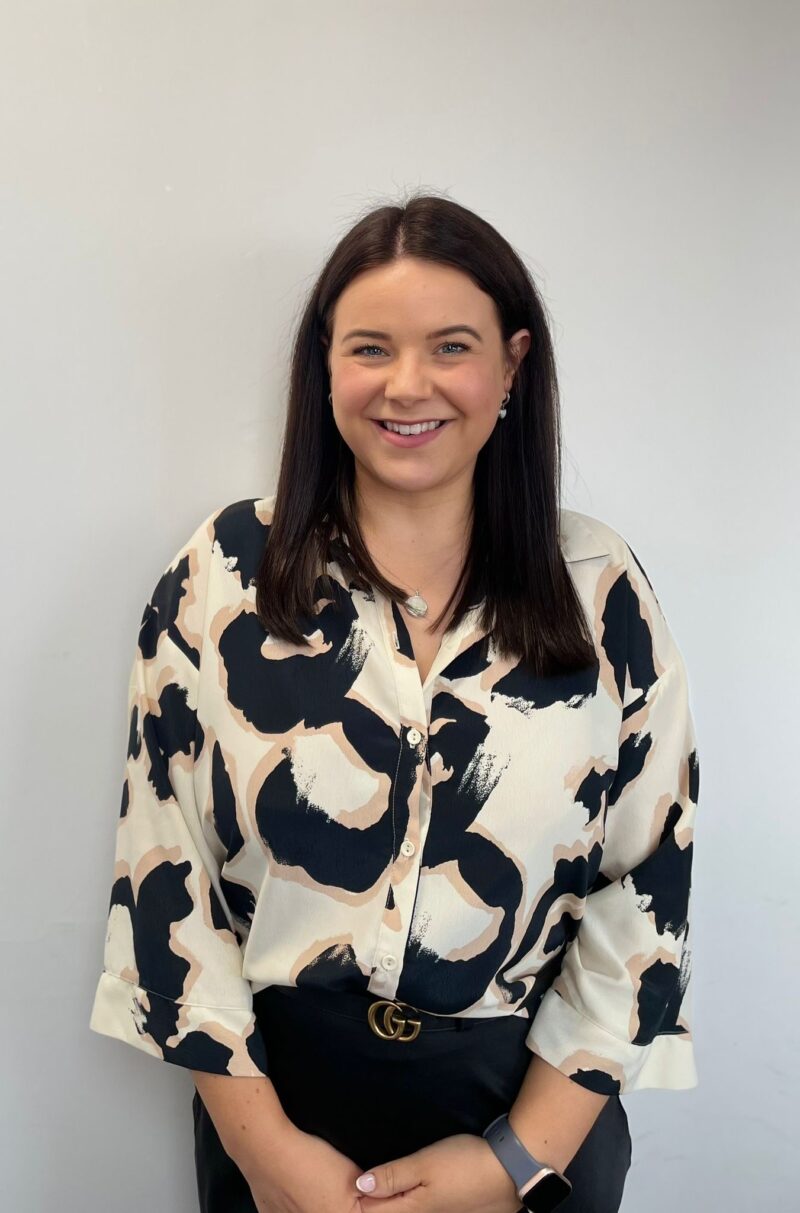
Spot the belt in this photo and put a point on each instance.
(388, 1018)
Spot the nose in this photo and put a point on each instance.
(407, 381)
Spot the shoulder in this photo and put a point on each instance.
(629, 617)
(231, 535)
(216, 563)
(244, 513)
(584, 537)
(240, 527)
(236, 519)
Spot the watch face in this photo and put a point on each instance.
(547, 1194)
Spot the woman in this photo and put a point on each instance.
(403, 861)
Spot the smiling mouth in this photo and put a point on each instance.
(410, 427)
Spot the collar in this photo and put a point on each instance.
(581, 537)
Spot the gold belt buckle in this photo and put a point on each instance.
(388, 1021)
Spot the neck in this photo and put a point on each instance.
(422, 537)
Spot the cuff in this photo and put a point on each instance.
(601, 1062)
(219, 1040)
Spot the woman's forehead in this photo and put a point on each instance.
(418, 300)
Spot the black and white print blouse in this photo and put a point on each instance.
(481, 843)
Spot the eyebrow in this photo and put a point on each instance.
(453, 328)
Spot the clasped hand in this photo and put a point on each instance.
(458, 1174)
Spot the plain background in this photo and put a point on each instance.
(172, 175)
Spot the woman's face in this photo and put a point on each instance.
(389, 360)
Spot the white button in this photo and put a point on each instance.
(389, 961)
(414, 736)
(407, 847)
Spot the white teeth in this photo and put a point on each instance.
(411, 429)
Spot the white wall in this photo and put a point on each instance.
(172, 175)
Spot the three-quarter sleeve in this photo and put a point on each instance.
(172, 983)
(618, 1015)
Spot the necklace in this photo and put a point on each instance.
(415, 604)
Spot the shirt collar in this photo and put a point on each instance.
(579, 538)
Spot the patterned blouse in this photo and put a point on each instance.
(481, 843)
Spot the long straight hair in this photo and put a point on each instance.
(514, 565)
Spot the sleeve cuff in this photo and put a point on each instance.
(604, 1063)
(218, 1040)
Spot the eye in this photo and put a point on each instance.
(362, 349)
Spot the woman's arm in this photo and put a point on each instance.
(285, 1167)
(552, 1114)
(248, 1116)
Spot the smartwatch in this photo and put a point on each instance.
(540, 1188)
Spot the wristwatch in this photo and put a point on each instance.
(539, 1187)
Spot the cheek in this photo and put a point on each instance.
(354, 386)
(473, 390)
(480, 403)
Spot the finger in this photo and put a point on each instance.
(390, 1178)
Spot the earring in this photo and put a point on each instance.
(330, 401)
(504, 402)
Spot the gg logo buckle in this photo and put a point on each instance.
(393, 1020)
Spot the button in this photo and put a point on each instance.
(414, 737)
(389, 961)
(407, 847)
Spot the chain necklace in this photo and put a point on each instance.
(415, 604)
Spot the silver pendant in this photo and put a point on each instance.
(417, 605)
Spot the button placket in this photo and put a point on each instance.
(407, 848)
(395, 926)
(413, 698)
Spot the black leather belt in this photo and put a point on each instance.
(388, 1018)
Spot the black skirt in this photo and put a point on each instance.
(375, 1099)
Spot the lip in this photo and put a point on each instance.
(411, 439)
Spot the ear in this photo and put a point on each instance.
(517, 347)
(326, 352)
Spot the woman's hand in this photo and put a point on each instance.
(305, 1174)
(459, 1174)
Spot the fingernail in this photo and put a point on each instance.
(366, 1183)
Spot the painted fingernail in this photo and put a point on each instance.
(366, 1183)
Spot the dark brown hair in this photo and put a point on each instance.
(514, 563)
